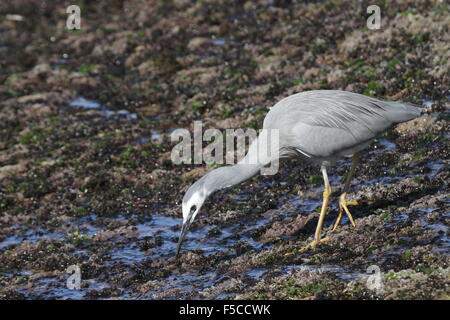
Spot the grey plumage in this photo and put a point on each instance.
(323, 124)
(320, 126)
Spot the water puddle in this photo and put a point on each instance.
(206, 239)
(386, 145)
(83, 225)
(218, 42)
(156, 136)
(120, 114)
(31, 235)
(440, 227)
(81, 102)
(435, 167)
(47, 286)
(141, 140)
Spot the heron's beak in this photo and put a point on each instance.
(184, 230)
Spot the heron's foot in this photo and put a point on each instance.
(343, 206)
(314, 244)
(311, 245)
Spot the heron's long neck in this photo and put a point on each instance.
(225, 177)
(249, 166)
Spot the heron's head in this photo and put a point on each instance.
(192, 202)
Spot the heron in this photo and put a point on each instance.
(319, 126)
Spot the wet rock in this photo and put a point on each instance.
(119, 46)
(194, 174)
(197, 43)
(281, 228)
(38, 110)
(416, 126)
(13, 169)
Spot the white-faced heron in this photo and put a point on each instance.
(321, 126)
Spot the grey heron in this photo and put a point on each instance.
(321, 126)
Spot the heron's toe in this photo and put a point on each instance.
(313, 244)
(344, 203)
(343, 206)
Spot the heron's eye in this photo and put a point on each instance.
(193, 208)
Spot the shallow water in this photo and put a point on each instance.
(29, 236)
(81, 102)
(218, 42)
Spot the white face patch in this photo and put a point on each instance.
(195, 200)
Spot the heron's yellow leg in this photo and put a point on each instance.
(343, 203)
(343, 206)
(323, 212)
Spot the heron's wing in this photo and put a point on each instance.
(323, 122)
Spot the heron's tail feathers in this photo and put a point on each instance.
(400, 111)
